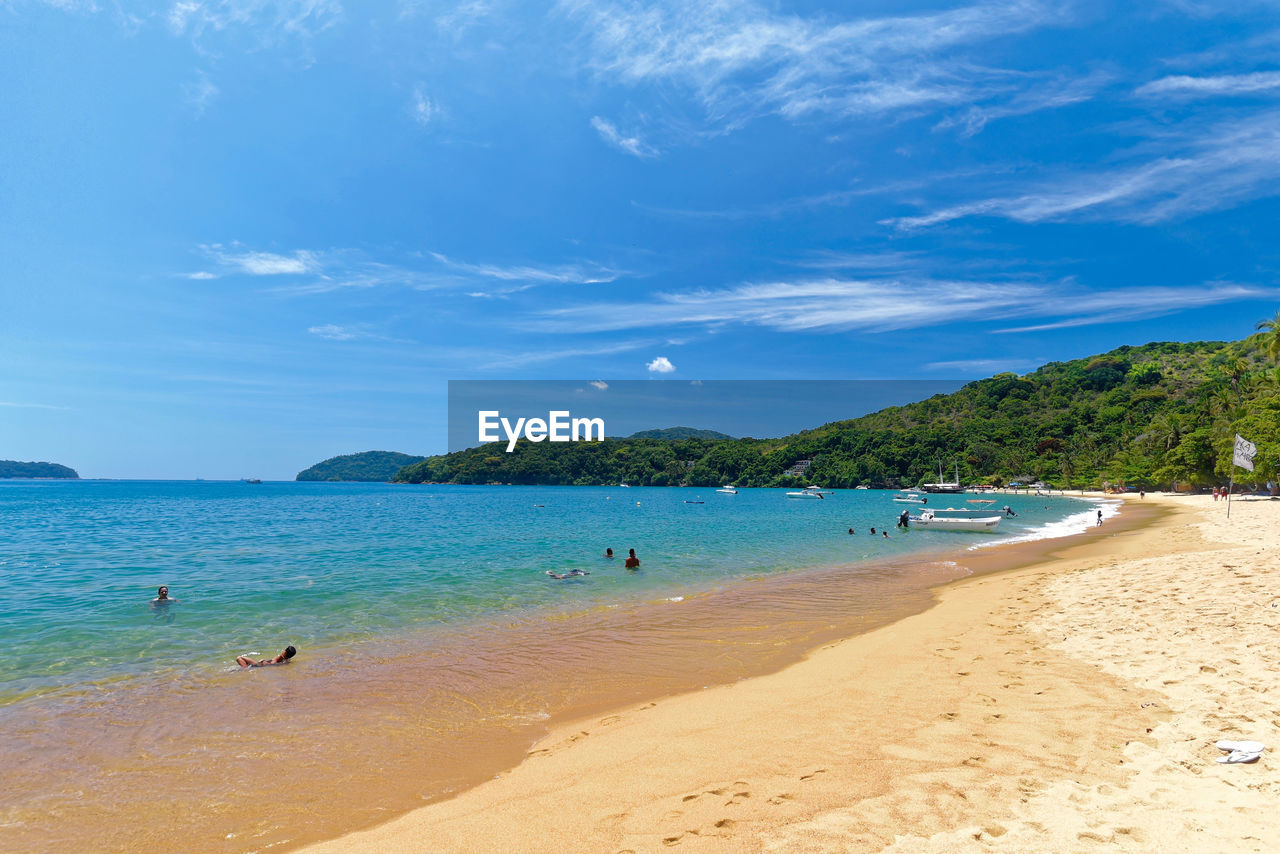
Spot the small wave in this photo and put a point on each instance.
(674, 599)
(1076, 523)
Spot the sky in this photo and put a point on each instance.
(240, 236)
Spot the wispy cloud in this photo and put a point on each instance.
(421, 107)
(16, 405)
(1197, 170)
(508, 361)
(882, 305)
(566, 274)
(1042, 95)
(984, 366)
(630, 144)
(238, 260)
(264, 21)
(1201, 87)
(333, 332)
(741, 59)
(200, 93)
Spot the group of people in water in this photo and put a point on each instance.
(632, 562)
(162, 602)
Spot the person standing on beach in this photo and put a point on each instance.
(1099, 517)
(282, 658)
(632, 562)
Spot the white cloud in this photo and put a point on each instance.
(334, 332)
(507, 361)
(15, 405)
(264, 21)
(891, 304)
(630, 144)
(269, 263)
(579, 274)
(742, 59)
(599, 384)
(1228, 84)
(1201, 169)
(660, 365)
(422, 108)
(985, 366)
(202, 275)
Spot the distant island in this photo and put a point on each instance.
(675, 433)
(369, 466)
(15, 469)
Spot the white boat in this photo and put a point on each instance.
(909, 498)
(862, 486)
(807, 492)
(624, 485)
(982, 507)
(728, 489)
(927, 519)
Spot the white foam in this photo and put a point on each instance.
(1076, 523)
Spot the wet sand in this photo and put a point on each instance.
(1063, 706)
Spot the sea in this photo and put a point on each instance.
(433, 646)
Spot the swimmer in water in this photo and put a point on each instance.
(608, 552)
(162, 598)
(633, 562)
(573, 573)
(282, 658)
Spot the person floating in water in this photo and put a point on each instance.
(608, 552)
(282, 658)
(873, 532)
(573, 573)
(162, 599)
(633, 562)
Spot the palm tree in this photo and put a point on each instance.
(1271, 336)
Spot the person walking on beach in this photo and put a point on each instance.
(633, 562)
(1099, 517)
(282, 658)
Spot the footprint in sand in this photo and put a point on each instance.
(813, 775)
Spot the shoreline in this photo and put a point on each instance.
(959, 713)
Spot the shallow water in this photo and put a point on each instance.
(433, 645)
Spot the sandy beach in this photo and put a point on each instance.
(1065, 706)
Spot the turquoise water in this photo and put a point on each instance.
(255, 567)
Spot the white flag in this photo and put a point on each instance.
(1244, 452)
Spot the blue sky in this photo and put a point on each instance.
(238, 237)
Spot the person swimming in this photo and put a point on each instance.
(573, 573)
(633, 562)
(608, 552)
(162, 598)
(282, 658)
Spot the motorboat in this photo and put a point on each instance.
(728, 489)
(927, 519)
(980, 507)
(909, 498)
(807, 492)
(862, 486)
(624, 485)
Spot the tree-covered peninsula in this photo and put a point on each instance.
(368, 466)
(1147, 416)
(15, 469)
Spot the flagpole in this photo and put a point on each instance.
(1230, 483)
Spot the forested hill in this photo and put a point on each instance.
(376, 466)
(1141, 416)
(13, 468)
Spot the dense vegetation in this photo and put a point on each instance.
(377, 466)
(13, 468)
(1146, 416)
(680, 433)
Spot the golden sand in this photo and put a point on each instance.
(1068, 706)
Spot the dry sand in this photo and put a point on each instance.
(1068, 706)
